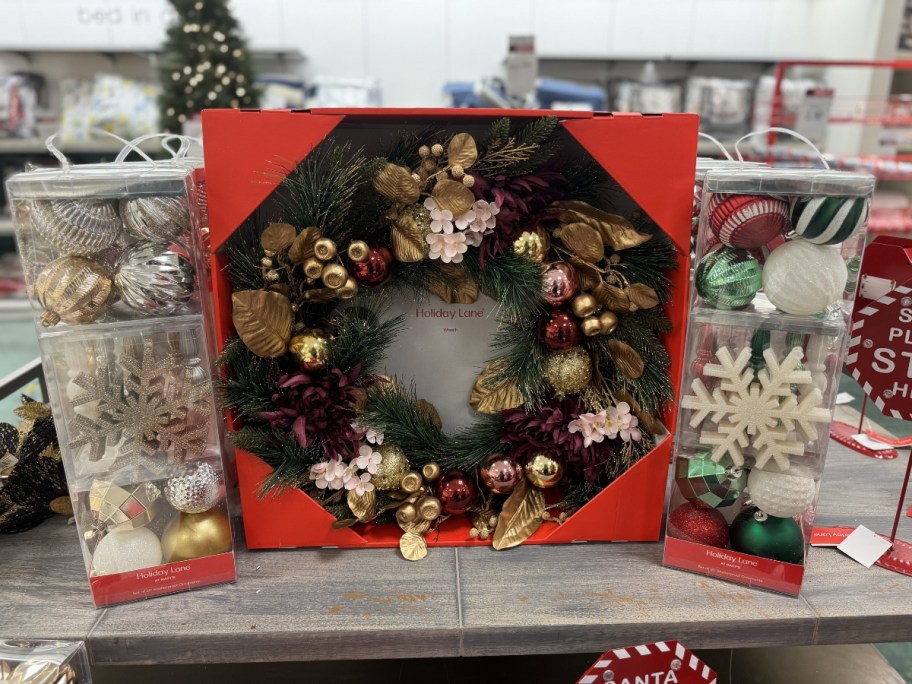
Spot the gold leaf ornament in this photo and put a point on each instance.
(408, 235)
(302, 248)
(462, 150)
(646, 419)
(263, 321)
(612, 298)
(643, 296)
(485, 398)
(429, 411)
(396, 183)
(413, 546)
(584, 241)
(458, 288)
(588, 275)
(616, 231)
(452, 196)
(364, 506)
(626, 358)
(277, 236)
(520, 516)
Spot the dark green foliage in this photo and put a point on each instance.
(320, 191)
(523, 356)
(394, 412)
(471, 446)
(518, 153)
(183, 60)
(247, 381)
(500, 131)
(360, 335)
(291, 461)
(509, 279)
(650, 262)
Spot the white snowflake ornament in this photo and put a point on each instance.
(762, 412)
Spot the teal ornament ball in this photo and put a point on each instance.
(702, 480)
(828, 220)
(728, 278)
(763, 535)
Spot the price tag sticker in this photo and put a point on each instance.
(864, 546)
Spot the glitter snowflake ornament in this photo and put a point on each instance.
(761, 411)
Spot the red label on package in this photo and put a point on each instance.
(664, 662)
(734, 566)
(829, 536)
(163, 579)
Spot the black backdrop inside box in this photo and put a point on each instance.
(442, 347)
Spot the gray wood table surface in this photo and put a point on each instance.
(321, 604)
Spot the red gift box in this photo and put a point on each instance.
(651, 157)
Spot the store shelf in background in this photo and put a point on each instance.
(94, 146)
(897, 168)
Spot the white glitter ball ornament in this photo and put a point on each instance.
(802, 278)
(195, 492)
(125, 551)
(782, 494)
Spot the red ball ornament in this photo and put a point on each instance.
(559, 283)
(373, 270)
(500, 473)
(456, 492)
(747, 221)
(697, 523)
(559, 330)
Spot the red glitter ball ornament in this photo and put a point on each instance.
(747, 221)
(559, 330)
(697, 523)
(500, 473)
(375, 269)
(559, 283)
(456, 492)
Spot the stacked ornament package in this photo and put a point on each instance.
(111, 256)
(778, 253)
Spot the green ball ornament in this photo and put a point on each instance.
(759, 534)
(728, 278)
(703, 481)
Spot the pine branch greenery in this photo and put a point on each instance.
(243, 250)
(522, 356)
(510, 280)
(247, 381)
(290, 461)
(361, 335)
(395, 412)
(509, 154)
(470, 447)
(650, 263)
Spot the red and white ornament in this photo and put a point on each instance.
(747, 221)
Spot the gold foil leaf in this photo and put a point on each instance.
(616, 231)
(277, 236)
(626, 358)
(453, 196)
(588, 275)
(364, 506)
(396, 183)
(263, 321)
(520, 516)
(344, 522)
(612, 298)
(643, 296)
(646, 419)
(413, 546)
(584, 241)
(429, 411)
(303, 246)
(457, 288)
(62, 505)
(462, 150)
(486, 399)
(408, 240)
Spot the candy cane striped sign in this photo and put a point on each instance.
(664, 662)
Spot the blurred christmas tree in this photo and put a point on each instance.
(205, 63)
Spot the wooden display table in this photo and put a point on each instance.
(324, 604)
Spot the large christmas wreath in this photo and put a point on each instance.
(577, 377)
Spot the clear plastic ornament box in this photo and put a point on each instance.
(42, 660)
(130, 386)
(782, 418)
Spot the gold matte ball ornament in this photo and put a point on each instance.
(393, 465)
(430, 508)
(608, 321)
(569, 372)
(334, 276)
(310, 349)
(324, 249)
(358, 251)
(544, 470)
(194, 535)
(583, 305)
(591, 326)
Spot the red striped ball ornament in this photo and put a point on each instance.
(747, 221)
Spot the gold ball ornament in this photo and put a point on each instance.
(313, 268)
(437, 149)
(424, 151)
(406, 514)
(348, 290)
(430, 508)
(310, 349)
(194, 535)
(533, 245)
(583, 305)
(568, 372)
(608, 321)
(457, 170)
(324, 249)
(411, 482)
(393, 465)
(358, 251)
(430, 471)
(73, 289)
(334, 276)
(468, 181)
(266, 262)
(591, 326)
(544, 470)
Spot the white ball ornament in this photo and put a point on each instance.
(802, 278)
(125, 551)
(781, 494)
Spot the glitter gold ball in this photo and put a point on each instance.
(393, 465)
(568, 372)
(532, 245)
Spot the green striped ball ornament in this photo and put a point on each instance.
(728, 278)
(828, 220)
